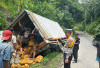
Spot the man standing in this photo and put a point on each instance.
(68, 49)
(5, 49)
(13, 41)
(76, 48)
(37, 40)
(25, 41)
(13, 44)
(21, 34)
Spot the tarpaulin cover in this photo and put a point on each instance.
(49, 28)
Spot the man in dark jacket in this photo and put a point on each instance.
(76, 48)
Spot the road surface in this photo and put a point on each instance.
(87, 53)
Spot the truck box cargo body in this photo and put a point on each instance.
(50, 31)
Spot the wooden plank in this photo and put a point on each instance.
(52, 41)
(41, 44)
(56, 38)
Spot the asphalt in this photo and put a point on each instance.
(87, 53)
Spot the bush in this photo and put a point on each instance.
(79, 27)
(93, 28)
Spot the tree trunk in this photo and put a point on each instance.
(91, 19)
(19, 7)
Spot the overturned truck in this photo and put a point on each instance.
(52, 35)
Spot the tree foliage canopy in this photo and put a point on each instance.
(68, 13)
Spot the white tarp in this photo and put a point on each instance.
(49, 28)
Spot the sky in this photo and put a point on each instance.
(80, 1)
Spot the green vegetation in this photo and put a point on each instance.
(3, 22)
(52, 60)
(68, 13)
(91, 21)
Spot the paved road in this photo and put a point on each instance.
(87, 53)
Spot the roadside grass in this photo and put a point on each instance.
(90, 34)
(51, 60)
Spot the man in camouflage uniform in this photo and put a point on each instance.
(68, 49)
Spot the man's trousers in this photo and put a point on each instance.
(75, 53)
(67, 65)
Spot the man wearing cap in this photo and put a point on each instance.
(68, 49)
(76, 47)
(5, 49)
